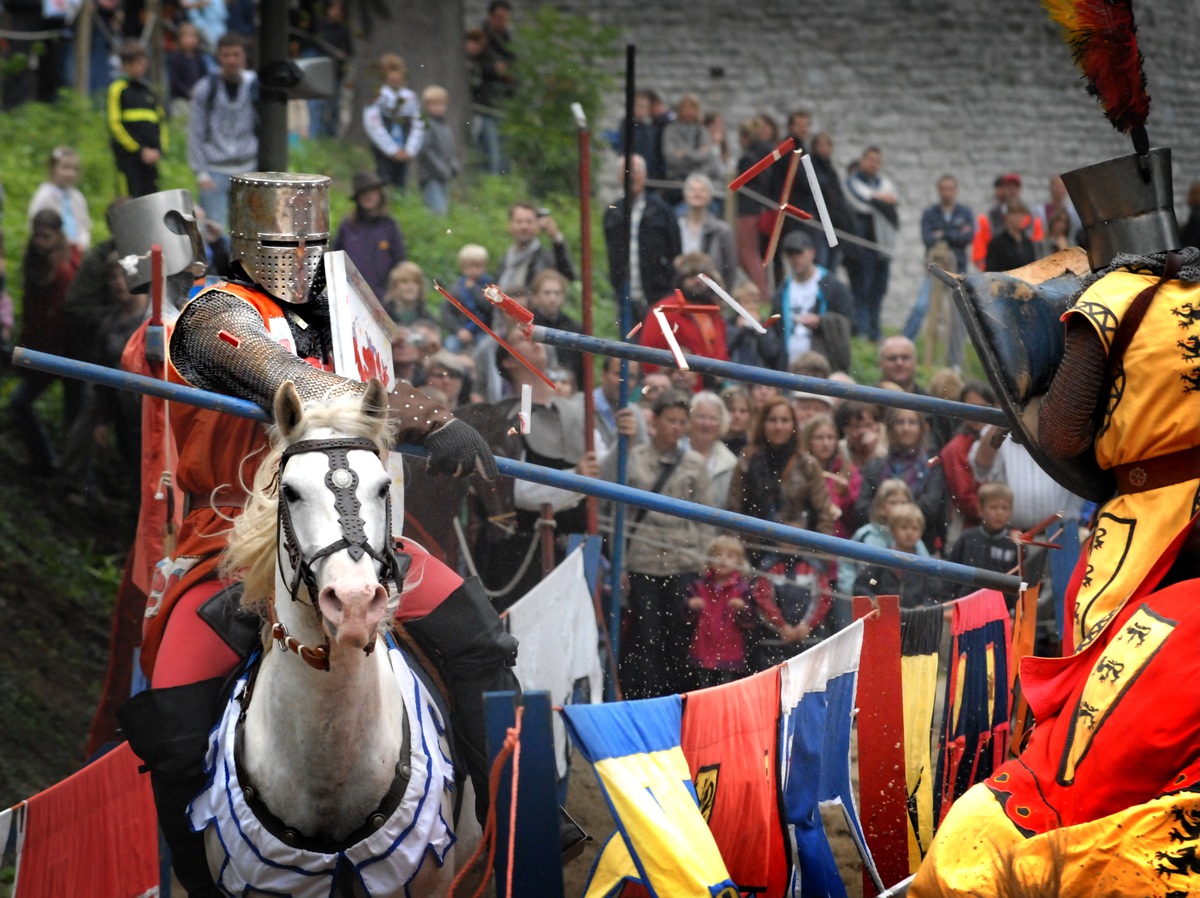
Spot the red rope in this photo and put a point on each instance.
(512, 742)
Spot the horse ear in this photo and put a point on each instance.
(375, 400)
(288, 408)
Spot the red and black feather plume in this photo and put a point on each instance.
(1103, 41)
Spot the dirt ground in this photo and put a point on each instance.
(587, 806)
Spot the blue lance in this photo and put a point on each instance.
(805, 539)
(928, 405)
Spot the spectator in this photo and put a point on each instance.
(461, 332)
(564, 382)
(898, 364)
(989, 545)
(737, 403)
(723, 605)
(404, 299)
(647, 135)
(393, 123)
(915, 589)
(370, 235)
(760, 395)
(722, 171)
(812, 364)
(437, 163)
(908, 459)
(448, 373)
(222, 130)
(778, 481)
(525, 257)
(961, 485)
(701, 332)
(700, 231)
(816, 310)
(546, 303)
(819, 438)
(687, 147)
(748, 211)
(336, 41)
(606, 401)
(499, 83)
(1189, 233)
(1060, 201)
(643, 270)
(806, 406)
(947, 229)
(61, 194)
(830, 257)
(891, 494)
(862, 436)
(799, 128)
(745, 343)
(707, 424)
(136, 123)
(1007, 191)
(555, 440)
(944, 384)
(211, 19)
(873, 197)
(491, 384)
(1059, 233)
(1011, 248)
(49, 264)
(662, 551)
(187, 65)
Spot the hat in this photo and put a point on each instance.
(797, 242)
(800, 394)
(444, 358)
(1011, 178)
(364, 181)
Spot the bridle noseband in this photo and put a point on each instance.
(342, 481)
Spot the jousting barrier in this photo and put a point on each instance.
(805, 539)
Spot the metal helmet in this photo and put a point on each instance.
(1126, 205)
(279, 230)
(165, 218)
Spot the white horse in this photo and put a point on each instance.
(331, 773)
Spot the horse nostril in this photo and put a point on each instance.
(330, 604)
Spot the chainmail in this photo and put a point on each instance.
(1153, 264)
(257, 365)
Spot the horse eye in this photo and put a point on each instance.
(290, 493)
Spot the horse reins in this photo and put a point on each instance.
(342, 481)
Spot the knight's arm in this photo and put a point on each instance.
(220, 343)
(1067, 417)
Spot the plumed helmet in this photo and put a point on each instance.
(1126, 205)
(279, 230)
(165, 218)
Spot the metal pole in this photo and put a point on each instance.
(585, 272)
(272, 100)
(618, 535)
(929, 405)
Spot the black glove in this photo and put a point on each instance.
(458, 449)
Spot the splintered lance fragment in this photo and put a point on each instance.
(762, 164)
(680, 361)
(526, 414)
(822, 210)
(733, 303)
(491, 333)
(637, 327)
(507, 305)
(789, 179)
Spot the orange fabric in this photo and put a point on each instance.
(700, 333)
(94, 833)
(730, 737)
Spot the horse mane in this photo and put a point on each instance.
(251, 550)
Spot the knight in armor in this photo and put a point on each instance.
(1099, 800)
(244, 337)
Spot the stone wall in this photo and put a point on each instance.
(956, 86)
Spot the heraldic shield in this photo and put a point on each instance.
(1013, 321)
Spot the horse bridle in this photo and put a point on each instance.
(342, 481)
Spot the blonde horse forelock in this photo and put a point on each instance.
(250, 555)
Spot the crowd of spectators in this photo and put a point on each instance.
(703, 607)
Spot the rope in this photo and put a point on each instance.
(521, 571)
(511, 746)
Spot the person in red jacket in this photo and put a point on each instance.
(700, 332)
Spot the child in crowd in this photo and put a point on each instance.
(393, 122)
(737, 401)
(61, 194)
(892, 493)
(404, 299)
(906, 522)
(437, 163)
(461, 331)
(136, 122)
(989, 546)
(370, 235)
(186, 65)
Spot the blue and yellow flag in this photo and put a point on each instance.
(634, 748)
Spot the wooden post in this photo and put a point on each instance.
(537, 861)
(882, 785)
